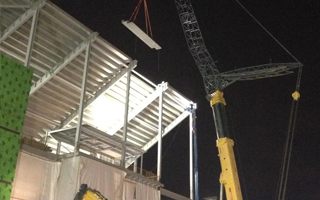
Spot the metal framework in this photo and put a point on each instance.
(214, 83)
(74, 70)
(212, 78)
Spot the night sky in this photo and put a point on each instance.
(258, 110)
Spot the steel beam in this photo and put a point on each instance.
(171, 126)
(193, 168)
(56, 69)
(82, 98)
(141, 164)
(22, 19)
(135, 166)
(14, 6)
(103, 89)
(172, 195)
(125, 121)
(31, 37)
(160, 130)
(191, 155)
(145, 103)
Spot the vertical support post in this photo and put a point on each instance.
(31, 37)
(191, 154)
(82, 98)
(125, 121)
(141, 164)
(135, 166)
(160, 130)
(58, 148)
(46, 138)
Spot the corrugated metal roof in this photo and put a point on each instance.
(57, 44)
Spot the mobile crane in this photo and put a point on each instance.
(214, 83)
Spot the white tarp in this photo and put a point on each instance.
(104, 178)
(68, 180)
(39, 179)
(139, 191)
(35, 178)
(80, 170)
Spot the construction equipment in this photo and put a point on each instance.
(214, 82)
(86, 193)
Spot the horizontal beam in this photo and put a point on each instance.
(141, 35)
(172, 195)
(56, 69)
(14, 6)
(22, 19)
(103, 89)
(143, 105)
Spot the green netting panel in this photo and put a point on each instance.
(5, 191)
(9, 149)
(15, 83)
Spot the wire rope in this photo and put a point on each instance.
(282, 184)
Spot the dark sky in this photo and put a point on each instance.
(258, 110)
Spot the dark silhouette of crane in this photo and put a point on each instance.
(214, 82)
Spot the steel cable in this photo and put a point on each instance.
(282, 184)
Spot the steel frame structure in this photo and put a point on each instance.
(73, 67)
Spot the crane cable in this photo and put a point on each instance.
(146, 15)
(283, 179)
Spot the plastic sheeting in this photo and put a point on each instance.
(39, 179)
(80, 170)
(139, 191)
(35, 178)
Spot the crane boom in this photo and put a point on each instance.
(196, 45)
(214, 83)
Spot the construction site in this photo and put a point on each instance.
(110, 100)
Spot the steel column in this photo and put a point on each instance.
(125, 121)
(82, 98)
(31, 37)
(141, 164)
(191, 154)
(135, 166)
(160, 131)
(58, 148)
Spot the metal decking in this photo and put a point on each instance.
(45, 38)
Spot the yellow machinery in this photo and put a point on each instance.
(86, 193)
(229, 173)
